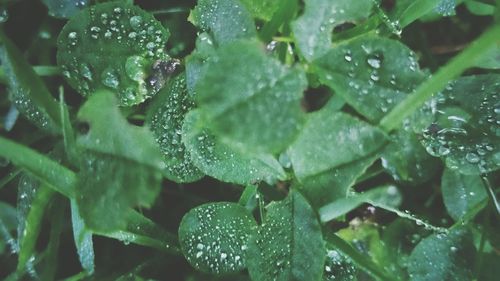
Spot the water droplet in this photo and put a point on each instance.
(109, 78)
(374, 60)
(472, 158)
(135, 67)
(348, 56)
(135, 22)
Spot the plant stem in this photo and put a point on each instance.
(437, 82)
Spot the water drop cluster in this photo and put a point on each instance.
(466, 128)
(165, 119)
(214, 237)
(112, 45)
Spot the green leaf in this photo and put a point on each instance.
(371, 73)
(313, 30)
(165, 118)
(27, 189)
(67, 131)
(360, 259)
(116, 46)
(138, 229)
(47, 170)
(83, 240)
(27, 90)
(267, 100)
(406, 159)
(225, 20)
(262, 9)
(381, 196)
(196, 63)
(249, 197)
(214, 237)
(120, 168)
(461, 193)
(338, 267)
(32, 225)
(110, 133)
(491, 59)
(443, 257)
(479, 8)
(218, 160)
(331, 139)
(289, 244)
(8, 222)
(333, 184)
(64, 8)
(465, 131)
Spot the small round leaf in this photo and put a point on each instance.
(116, 46)
(214, 237)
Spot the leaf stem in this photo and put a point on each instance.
(437, 82)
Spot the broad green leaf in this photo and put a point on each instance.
(406, 159)
(479, 8)
(225, 20)
(338, 267)
(65, 8)
(32, 225)
(110, 133)
(108, 186)
(196, 63)
(461, 193)
(250, 100)
(165, 118)
(139, 230)
(120, 167)
(331, 139)
(289, 244)
(262, 9)
(83, 240)
(218, 160)
(333, 184)
(313, 30)
(371, 73)
(491, 59)
(382, 196)
(442, 256)
(214, 237)
(466, 131)
(27, 90)
(116, 46)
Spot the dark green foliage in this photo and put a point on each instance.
(264, 140)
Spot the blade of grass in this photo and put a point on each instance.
(32, 226)
(22, 78)
(440, 79)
